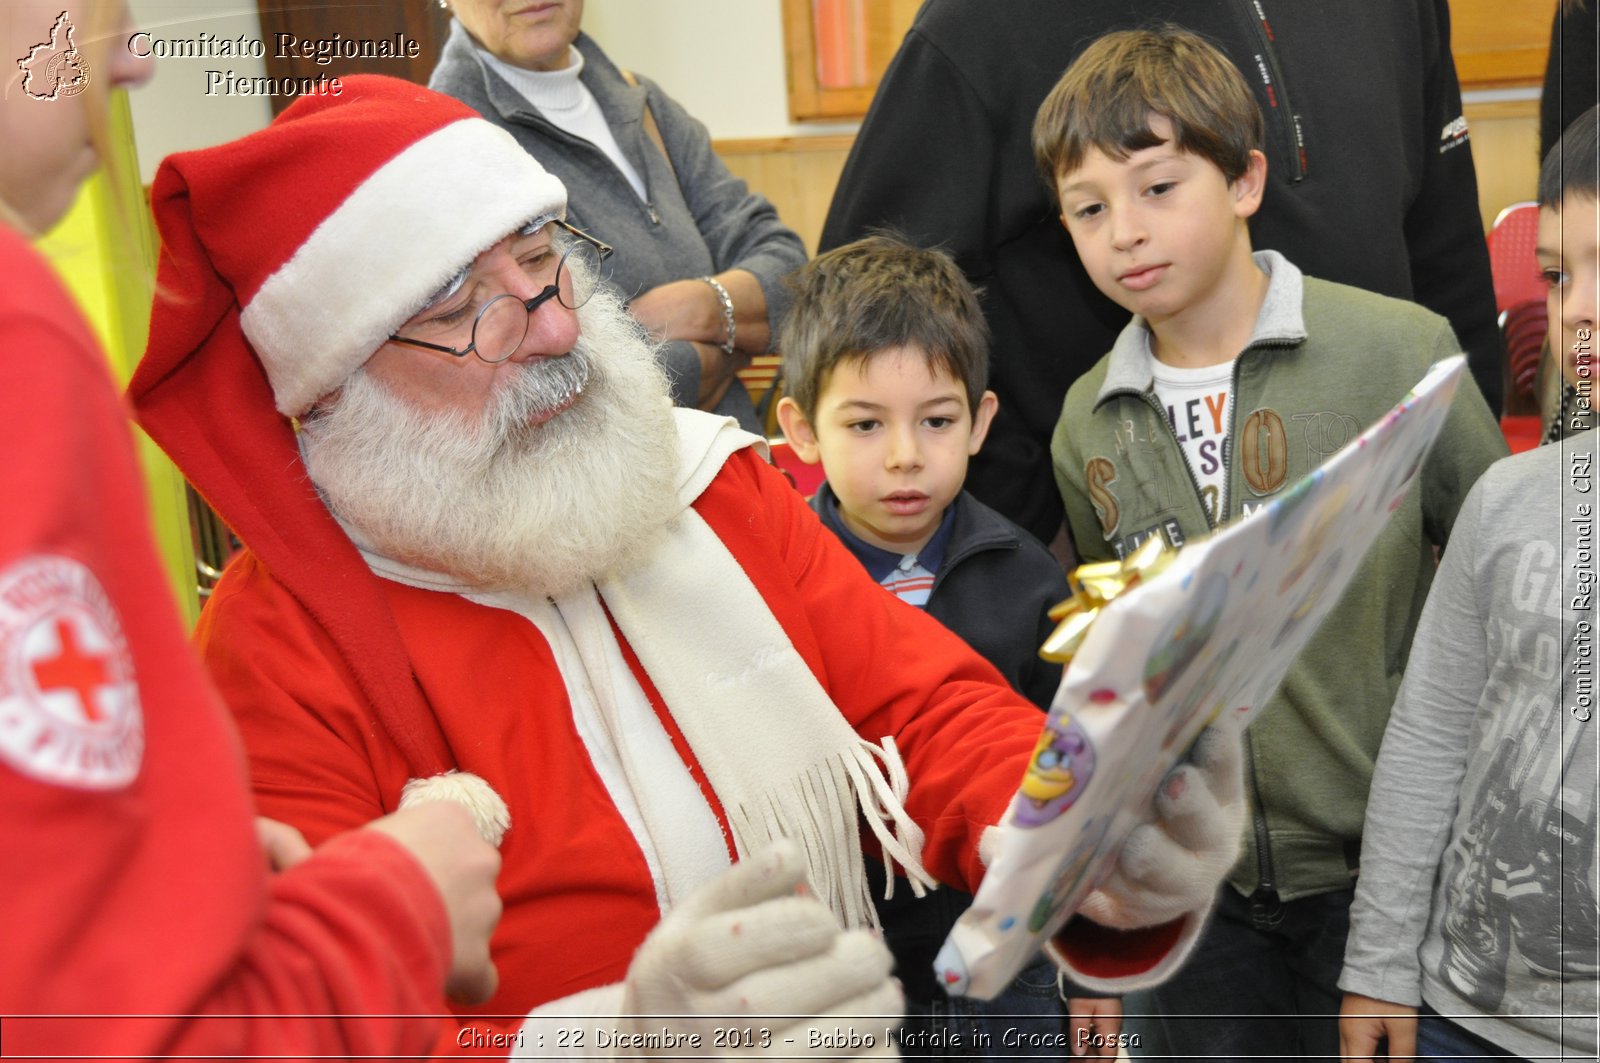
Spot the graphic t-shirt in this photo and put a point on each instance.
(1196, 401)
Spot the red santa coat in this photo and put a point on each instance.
(578, 893)
(135, 889)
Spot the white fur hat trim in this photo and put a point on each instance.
(489, 811)
(393, 242)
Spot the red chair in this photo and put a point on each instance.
(1512, 238)
(1522, 433)
(806, 478)
(1524, 326)
(759, 377)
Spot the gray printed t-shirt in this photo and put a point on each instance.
(1478, 866)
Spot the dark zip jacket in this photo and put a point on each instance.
(1370, 182)
(994, 587)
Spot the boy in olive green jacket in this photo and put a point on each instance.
(1236, 377)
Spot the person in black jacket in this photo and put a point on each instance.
(885, 355)
(1370, 182)
(1571, 71)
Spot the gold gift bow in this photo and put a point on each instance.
(1093, 587)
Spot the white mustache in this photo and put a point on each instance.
(540, 387)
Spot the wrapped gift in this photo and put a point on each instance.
(1158, 645)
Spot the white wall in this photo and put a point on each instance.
(173, 112)
(721, 59)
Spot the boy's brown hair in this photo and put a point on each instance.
(875, 293)
(1106, 98)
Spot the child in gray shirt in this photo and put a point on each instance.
(1474, 928)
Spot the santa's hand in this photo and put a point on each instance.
(1172, 865)
(752, 949)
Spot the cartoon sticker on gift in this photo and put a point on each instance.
(1060, 768)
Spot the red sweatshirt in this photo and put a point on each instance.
(577, 890)
(139, 912)
(578, 893)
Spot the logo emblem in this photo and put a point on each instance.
(1101, 474)
(55, 69)
(1264, 451)
(69, 702)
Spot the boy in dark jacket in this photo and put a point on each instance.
(885, 354)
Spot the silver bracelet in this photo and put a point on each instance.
(727, 313)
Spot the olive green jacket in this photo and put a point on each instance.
(1324, 363)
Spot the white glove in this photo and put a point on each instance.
(1172, 865)
(752, 949)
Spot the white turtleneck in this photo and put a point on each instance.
(569, 105)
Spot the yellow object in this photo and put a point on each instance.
(108, 263)
(1048, 776)
(1092, 587)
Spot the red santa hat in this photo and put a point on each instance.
(287, 258)
(335, 224)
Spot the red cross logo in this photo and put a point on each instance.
(69, 700)
(73, 669)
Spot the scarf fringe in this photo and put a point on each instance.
(807, 808)
(897, 833)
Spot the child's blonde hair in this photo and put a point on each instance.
(98, 32)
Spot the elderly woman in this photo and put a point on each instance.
(705, 257)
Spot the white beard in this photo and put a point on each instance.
(506, 502)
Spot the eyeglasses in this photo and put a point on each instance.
(501, 323)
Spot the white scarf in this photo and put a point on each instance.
(776, 750)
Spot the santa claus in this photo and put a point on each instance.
(485, 559)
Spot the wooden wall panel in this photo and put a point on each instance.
(1499, 43)
(798, 174)
(375, 20)
(885, 23)
(1505, 152)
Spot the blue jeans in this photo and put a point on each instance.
(961, 1028)
(1262, 982)
(1441, 1041)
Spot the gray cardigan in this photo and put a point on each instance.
(704, 221)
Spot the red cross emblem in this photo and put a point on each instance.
(69, 701)
(73, 669)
